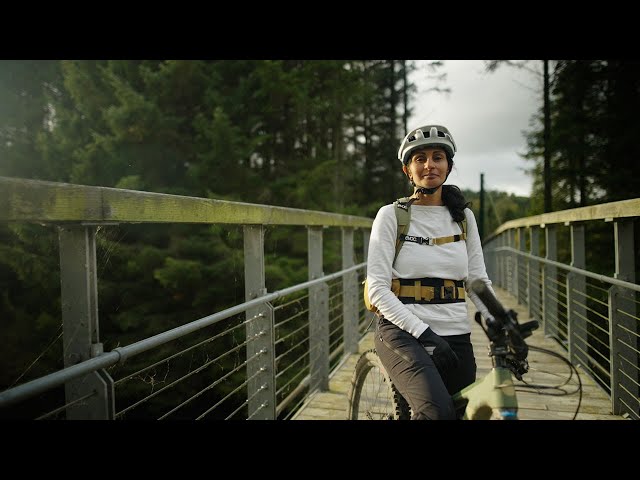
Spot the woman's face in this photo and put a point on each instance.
(428, 167)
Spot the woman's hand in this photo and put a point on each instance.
(443, 356)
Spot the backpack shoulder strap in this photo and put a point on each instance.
(463, 228)
(403, 218)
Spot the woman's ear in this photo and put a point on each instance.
(406, 172)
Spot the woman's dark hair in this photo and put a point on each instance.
(454, 200)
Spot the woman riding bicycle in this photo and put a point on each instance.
(423, 334)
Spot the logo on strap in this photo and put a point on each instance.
(419, 240)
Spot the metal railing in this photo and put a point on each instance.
(255, 360)
(593, 315)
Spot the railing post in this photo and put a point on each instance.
(534, 286)
(576, 297)
(624, 327)
(513, 266)
(261, 392)
(350, 312)
(549, 299)
(487, 253)
(318, 315)
(495, 260)
(501, 256)
(506, 259)
(81, 339)
(523, 292)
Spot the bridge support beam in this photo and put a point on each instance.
(577, 330)
(318, 315)
(550, 285)
(259, 330)
(90, 397)
(349, 292)
(503, 241)
(512, 277)
(533, 274)
(523, 270)
(624, 326)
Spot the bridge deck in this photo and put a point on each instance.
(544, 369)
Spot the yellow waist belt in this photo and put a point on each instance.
(428, 290)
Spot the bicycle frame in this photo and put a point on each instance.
(494, 395)
(491, 397)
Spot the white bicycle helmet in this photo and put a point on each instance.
(429, 135)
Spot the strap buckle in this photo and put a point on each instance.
(428, 241)
(449, 293)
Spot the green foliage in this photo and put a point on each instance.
(178, 276)
(594, 125)
(26, 91)
(317, 135)
(500, 207)
(29, 302)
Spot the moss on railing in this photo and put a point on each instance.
(39, 201)
(605, 211)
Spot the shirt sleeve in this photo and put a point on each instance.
(477, 268)
(382, 247)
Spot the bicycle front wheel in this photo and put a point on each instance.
(372, 395)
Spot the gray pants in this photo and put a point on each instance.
(412, 371)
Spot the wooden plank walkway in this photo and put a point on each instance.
(543, 369)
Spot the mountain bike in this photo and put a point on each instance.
(373, 396)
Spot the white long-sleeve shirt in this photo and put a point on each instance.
(461, 260)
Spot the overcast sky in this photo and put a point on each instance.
(486, 114)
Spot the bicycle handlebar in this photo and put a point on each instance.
(499, 313)
(515, 333)
(490, 301)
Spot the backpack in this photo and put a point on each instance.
(403, 218)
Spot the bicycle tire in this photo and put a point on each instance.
(372, 395)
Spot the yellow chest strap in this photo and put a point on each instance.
(403, 218)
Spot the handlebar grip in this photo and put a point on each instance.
(527, 328)
(490, 301)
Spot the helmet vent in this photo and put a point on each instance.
(435, 135)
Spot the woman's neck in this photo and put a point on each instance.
(434, 199)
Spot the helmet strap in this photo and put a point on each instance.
(425, 190)
(428, 191)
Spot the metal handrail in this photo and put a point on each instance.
(601, 339)
(586, 273)
(120, 354)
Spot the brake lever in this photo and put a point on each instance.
(526, 329)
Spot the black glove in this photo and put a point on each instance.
(443, 356)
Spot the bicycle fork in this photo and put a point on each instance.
(492, 397)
